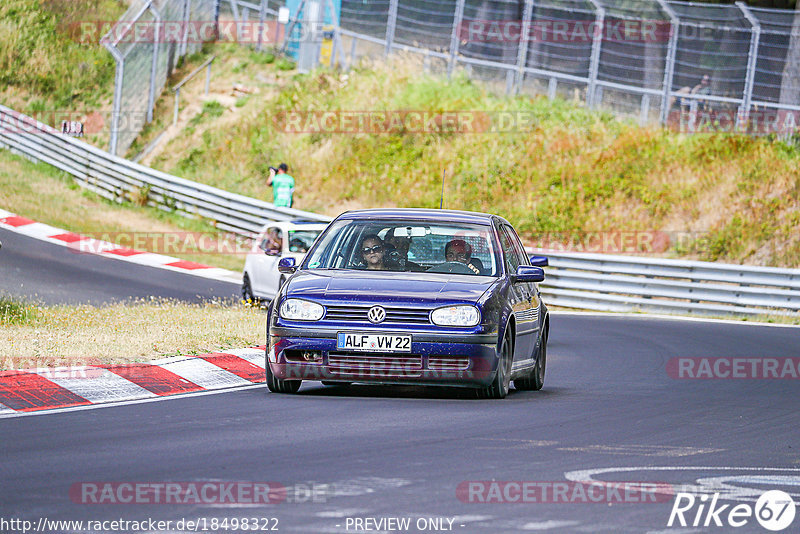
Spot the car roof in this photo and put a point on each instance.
(296, 225)
(300, 222)
(421, 214)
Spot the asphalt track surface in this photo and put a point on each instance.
(52, 274)
(402, 452)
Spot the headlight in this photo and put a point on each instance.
(456, 316)
(301, 310)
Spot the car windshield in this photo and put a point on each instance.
(301, 240)
(406, 245)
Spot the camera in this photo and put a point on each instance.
(273, 169)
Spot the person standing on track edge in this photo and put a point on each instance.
(282, 186)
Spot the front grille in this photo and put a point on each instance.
(375, 365)
(394, 315)
(448, 363)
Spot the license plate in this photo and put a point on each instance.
(373, 342)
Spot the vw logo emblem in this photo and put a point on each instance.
(376, 314)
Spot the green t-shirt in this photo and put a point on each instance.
(282, 190)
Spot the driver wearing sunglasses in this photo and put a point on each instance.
(372, 251)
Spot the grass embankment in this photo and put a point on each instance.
(39, 336)
(572, 172)
(48, 62)
(45, 194)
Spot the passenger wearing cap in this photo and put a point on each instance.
(460, 251)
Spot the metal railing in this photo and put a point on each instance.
(117, 179)
(177, 89)
(628, 284)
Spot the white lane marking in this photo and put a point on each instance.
(97, 386)
(670, 318)
(551, 524)
(342, 512)
(128, 403)
(366, 485)
(643, 450)
(40, 231)
(471, 518)
(676, 530)
(44, 232)
(735, 493)
(254, 356)
(512, 443)
(204, 374)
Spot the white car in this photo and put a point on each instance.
(285, 239)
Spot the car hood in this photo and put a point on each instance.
(387, 287)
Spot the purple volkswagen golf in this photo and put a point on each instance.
(411, 296)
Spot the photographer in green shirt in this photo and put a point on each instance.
(282, 186)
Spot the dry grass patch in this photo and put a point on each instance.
(45, 194)
(37, 336)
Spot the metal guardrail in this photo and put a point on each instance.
(117, 179)
(626, 283)
(587, 281)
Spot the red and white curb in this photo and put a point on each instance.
(34, 390)
(86, 245)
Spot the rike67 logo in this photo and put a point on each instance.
(774, 510)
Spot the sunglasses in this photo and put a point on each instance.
(373, 250)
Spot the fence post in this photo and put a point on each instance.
(742, 118)
(262, 15)
(669, 63)
(594, 62)
(217, 5)
(522, 49)
(391, 26)
(187, 9)
(644, 109)
(454, 36)
(151, 99)
(353, 45)
(119, 74)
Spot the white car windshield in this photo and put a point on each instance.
(301, 240)
(398, 245)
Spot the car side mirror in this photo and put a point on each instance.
(527, 273)
(539, 261)
(287, 265)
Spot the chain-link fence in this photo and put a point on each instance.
(689, 66)
(686, 65)
(146, 43)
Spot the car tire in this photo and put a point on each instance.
(247, 291)
(535, 380)
(277, 385)
(502, 379)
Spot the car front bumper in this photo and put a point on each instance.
(468, 360)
